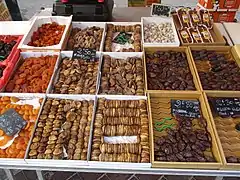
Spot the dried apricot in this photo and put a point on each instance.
(1, 132)
(14, 99)
(5, 140)
(33, 76)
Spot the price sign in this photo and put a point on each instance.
(186, 108)
(161, 10)
(226, 106)
(84, 54)
(11, 122)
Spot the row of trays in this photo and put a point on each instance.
(106, 37)
(101, 122)
(178, 69)
(104, 130)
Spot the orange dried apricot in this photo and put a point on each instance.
(33, 75)
(1, 132)
(5, 98)
(27, 126)
(5, 140)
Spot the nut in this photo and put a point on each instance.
(159, 33)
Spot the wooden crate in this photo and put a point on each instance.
(192, 68)
(222, 49)
(4, 12)
(220, 94)
(211, 130)
(216, 35)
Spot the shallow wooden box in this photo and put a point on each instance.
(185, 165)
(222, 49)
(176, 49)
(226, 165)
(216, 35)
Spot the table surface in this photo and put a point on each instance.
(233, 31)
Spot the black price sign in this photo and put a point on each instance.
(84, 54)
(11, 122)
(226, 106)
(161, 10)
(186, 108)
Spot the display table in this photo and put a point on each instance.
(233, 31)
(120, 14)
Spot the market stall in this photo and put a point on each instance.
(155, 96)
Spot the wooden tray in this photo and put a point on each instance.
(216, 35)
(217, 128)
(190, 63)
(191, 165)
(222, 49)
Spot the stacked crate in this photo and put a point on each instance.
(221, 10)
(4, 13)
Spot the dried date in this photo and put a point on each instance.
(183, 145)
(169, 71)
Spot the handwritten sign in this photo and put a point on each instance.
(161, 10)
(86, 54)
(11, 122)
(186, 108)
(226, 106)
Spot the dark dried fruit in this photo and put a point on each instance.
(217, 71)
(169, 71)
(185, 144)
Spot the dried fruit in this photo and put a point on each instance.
(33, 76)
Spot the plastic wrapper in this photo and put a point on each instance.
(120, 139)
(186, 37)
(184, 17)
(194, 18)
(196, 36)
(205, 34)
(206, 18)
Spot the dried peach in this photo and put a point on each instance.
(1, 132)
(27, 126)
(5, 140)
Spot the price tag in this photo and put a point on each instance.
(186, 108)
(84, 54)
(161, 10)
(226, 106)
(11, 122)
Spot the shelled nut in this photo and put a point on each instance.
(118, 147)
(168, 71)
(89, 37)
(159, 33)
(77, 77)
(66, 128)
(121, 76)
